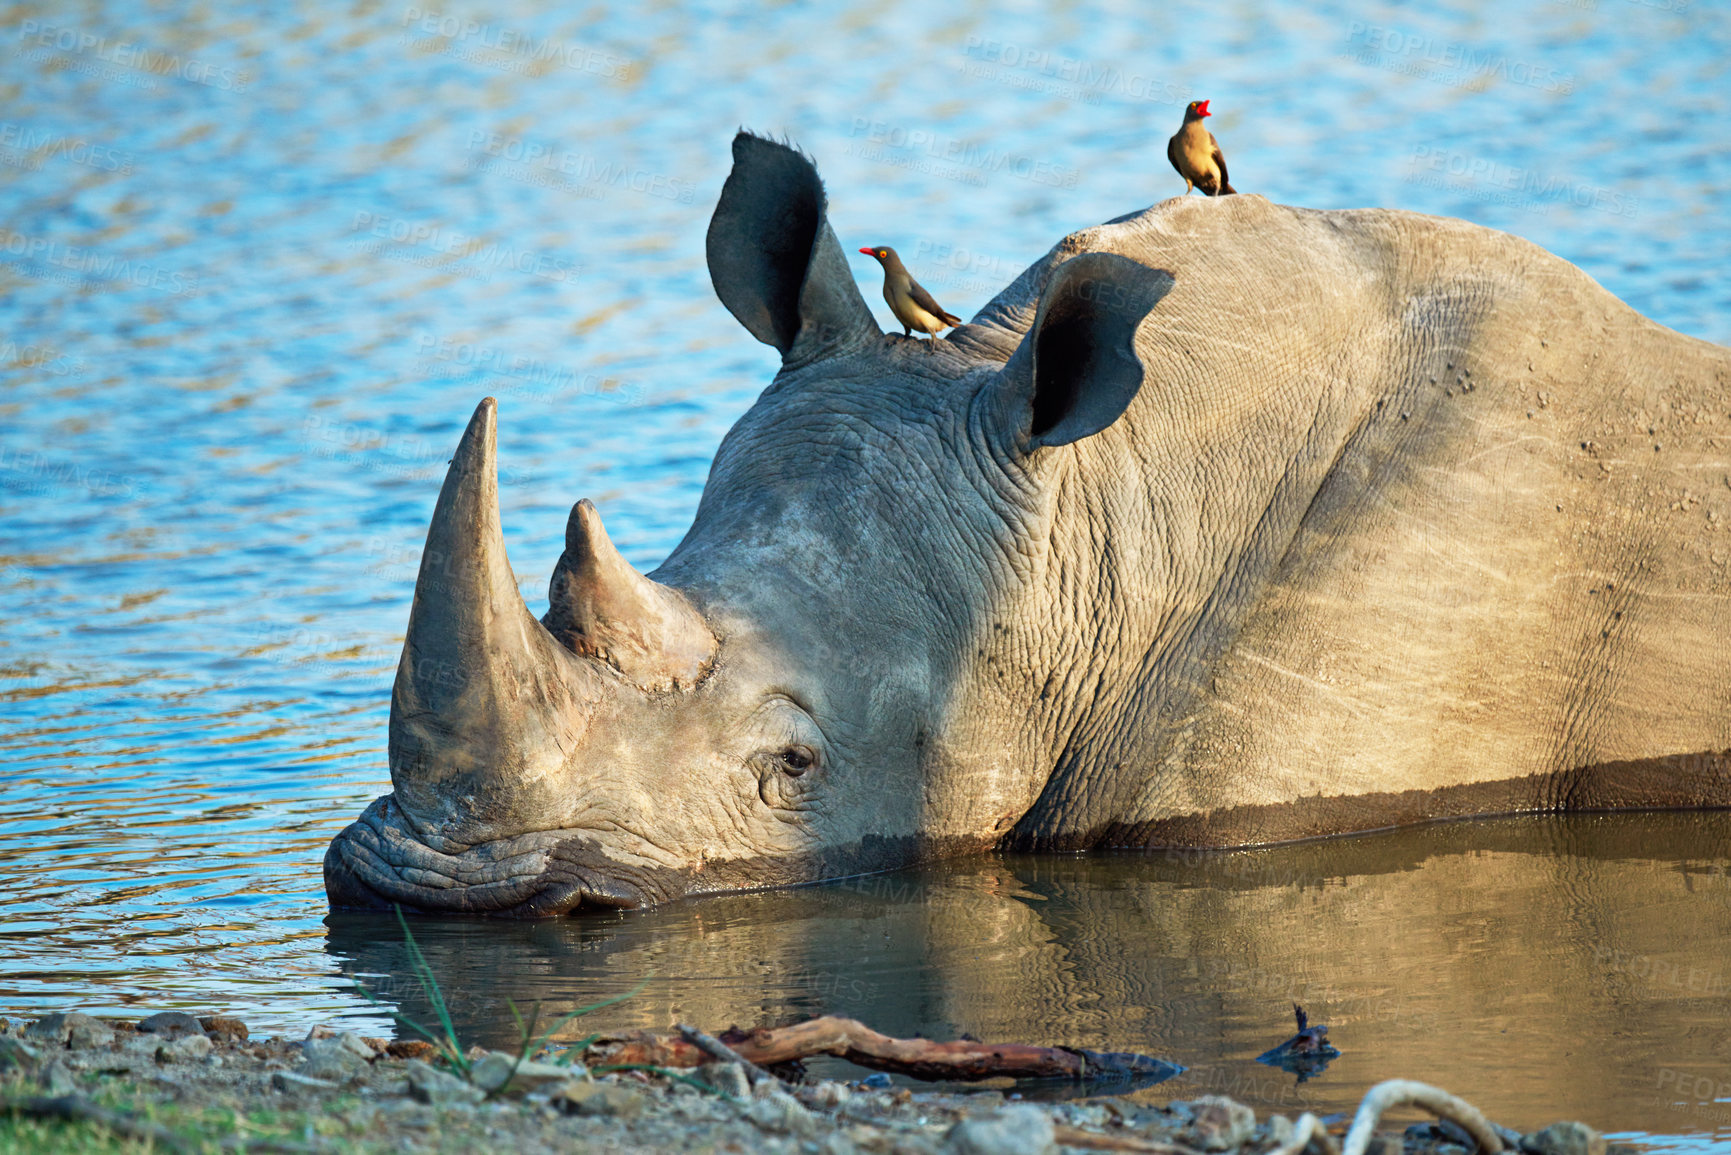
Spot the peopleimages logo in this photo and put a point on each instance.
(55, 38)
(532, 378)
(40, 256)
(519, 50)
(37, 144)
(1043, 70)
(515, 155)
(944, 149)
(1439, 166)
(1447, 62)
(379, 234)
(42, 357)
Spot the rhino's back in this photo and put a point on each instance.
(1444, 520)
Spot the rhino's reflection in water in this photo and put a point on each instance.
(1542, 968)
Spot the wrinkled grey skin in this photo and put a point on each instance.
(1227, 523)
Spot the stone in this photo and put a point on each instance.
(15, 1052)
(1279, 1130)
(439, 1089)
(726, 1079)
(58, 1080)
(1218, 1123)
(586, 1097)
(335, 1057)
(87, 1034)
(184, 1048)
(50, 1030)
(1564, 1139)
(495, 1072)
(915, 1144)
(223, 1029)
(78, 1031)
(830, 1095)
(339, 1040)
(1018, 1129)
(1085, 1114)
(411, 1049)
(290, 1083)
(360, 1116)
(408, 1113)
(171, 1024)
(781, 1114)
(1438, 1131)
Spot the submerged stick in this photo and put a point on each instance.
(927, 1059)
(1407, 1093)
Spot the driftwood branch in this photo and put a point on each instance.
(1407, 1093)
(919, 1058)
(1307, 1128)
(716, 1049)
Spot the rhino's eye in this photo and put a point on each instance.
(795, 760)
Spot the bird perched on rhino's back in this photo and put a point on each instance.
(1196, 155)
(908, 299)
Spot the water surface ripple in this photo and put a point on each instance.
(259, 263)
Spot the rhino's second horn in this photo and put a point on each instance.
(601, 607)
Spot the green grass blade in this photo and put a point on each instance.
(580, 1011)
(450, 1046)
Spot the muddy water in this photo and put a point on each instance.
(259, 263)
(1541, 968)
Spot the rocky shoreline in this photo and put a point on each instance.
(173, 1082)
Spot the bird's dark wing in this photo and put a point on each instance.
(924, 300)
(1220, 163)
(1172, 154)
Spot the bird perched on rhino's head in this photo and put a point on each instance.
(908, 299)
(1196, 155)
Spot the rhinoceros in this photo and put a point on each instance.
(1227, 523)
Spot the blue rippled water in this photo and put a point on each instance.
(259, 263)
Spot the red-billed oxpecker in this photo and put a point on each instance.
(1196, 155)
(908, 299)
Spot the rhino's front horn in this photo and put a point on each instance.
(603, 608)
(487, 706)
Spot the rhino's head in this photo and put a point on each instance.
(777, 703)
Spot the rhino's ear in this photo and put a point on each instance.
(774, 261)
(1077, 370)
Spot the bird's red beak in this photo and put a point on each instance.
(868, 252)
(1202, 108)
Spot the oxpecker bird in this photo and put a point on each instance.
(908, 299)
(1196, 155)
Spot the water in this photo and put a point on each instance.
(259, 265)
(1543, 969)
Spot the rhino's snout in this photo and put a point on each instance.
(379, 861)
(492, 714)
